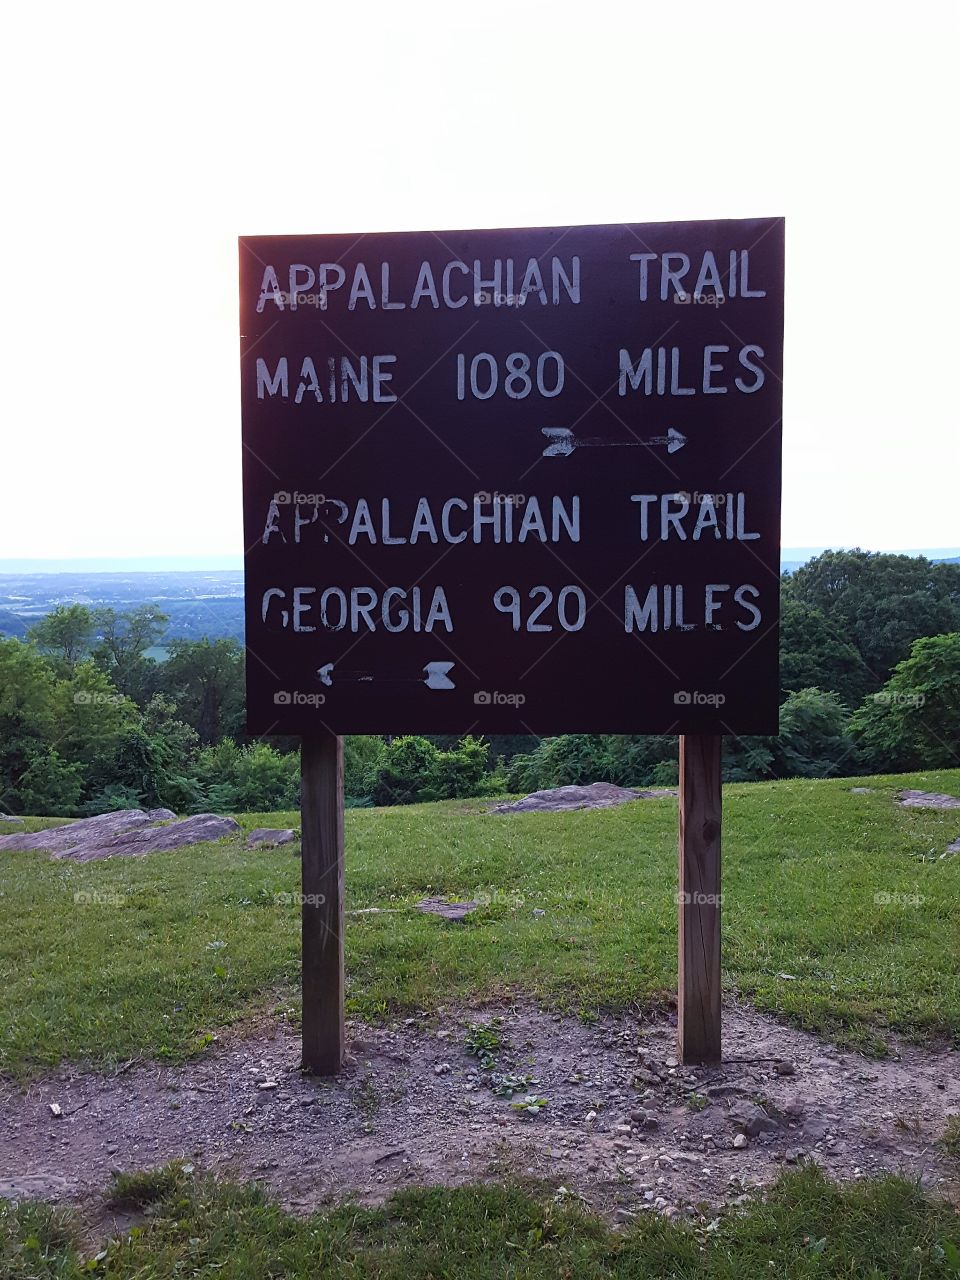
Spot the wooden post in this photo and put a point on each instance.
(698, 1015)
(321, 818)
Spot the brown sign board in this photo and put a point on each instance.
(513, 481)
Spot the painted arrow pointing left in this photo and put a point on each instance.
(434, 676)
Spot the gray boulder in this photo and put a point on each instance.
(598, 795)
(928, 800)
(128, 833)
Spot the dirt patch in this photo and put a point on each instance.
(598, 795)
(623, 1125)
(128, 833)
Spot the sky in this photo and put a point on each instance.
(141, 141)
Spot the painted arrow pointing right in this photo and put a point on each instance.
(563, 442)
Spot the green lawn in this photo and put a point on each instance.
(169, 948)
(807, 1227)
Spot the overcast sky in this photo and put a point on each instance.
(140, 142)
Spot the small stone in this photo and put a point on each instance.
(647, 1077)
(815, 1129)
(784, 1068)
(752, 1120)
(270, 837)
(268, 1084)
(740, 1141)
(442, 1069)
(793, 1156)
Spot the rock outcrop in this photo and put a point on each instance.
(127, 833)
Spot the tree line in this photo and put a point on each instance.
(90, 721)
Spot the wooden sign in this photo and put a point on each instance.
(514, 480)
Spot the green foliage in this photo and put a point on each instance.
(82, 732)
(65, 633)
(48, 784)
(253, 778)
(815, 653)
(805, 1226)
(951, 1137)
(575, 759)
(362, 761)
(412, 769)
(914, 721)
(204, 678)
(815, 739)
(123, 640)
(878, 603)
(146, 1187)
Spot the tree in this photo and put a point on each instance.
(124, 638)
(914, 721)
(814, 737)
(49, 785)
(91, 717)
(362, 758)
(27, 720)
(65, 633)
(880, 603)
(205, 679)
(814, 654)
(255, 778)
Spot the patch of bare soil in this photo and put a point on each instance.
(623, 1125)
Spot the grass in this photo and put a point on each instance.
(951, 1137)
(845, 893)
(806, 1227)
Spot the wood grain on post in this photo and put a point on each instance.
(698, 1015)
(321, 818)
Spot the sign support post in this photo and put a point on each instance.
(698, 1013)
(321, 816)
